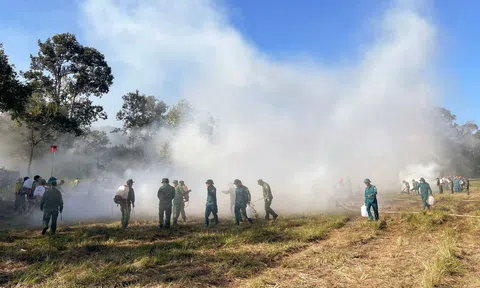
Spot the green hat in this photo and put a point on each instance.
(175, 181)
(366, 180)
(52, 181)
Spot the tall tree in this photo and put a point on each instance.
(13, 93)
(141, 115)
(42, 121)
(67, 74)
(179, 113)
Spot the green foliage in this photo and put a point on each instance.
(67, 74)
(141, 111)
(13, 93)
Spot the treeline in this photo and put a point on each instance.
(52, 102)
(459, 144)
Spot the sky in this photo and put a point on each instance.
(327, 33)
(303, 93)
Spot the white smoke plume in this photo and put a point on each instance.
(292, 123)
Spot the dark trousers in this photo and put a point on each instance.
(164, 209)
(211, 209)
(239, 210)
(269, 211)
(50, 215)
(440, 188)
(125, 209)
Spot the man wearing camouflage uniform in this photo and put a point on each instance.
(267, 197)
(179, 201)
(51, 204)
(165, 195)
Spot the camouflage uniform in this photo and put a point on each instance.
(179, 204)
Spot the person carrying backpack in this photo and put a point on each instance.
(125, 197)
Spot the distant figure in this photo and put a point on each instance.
(211, 206)
(467, 186)
(457, 188)
(39, 190)
(267, 197)
(242, 198)
(51, 204)
(165, 195)
(440, 185)
(231, 191)
(450, 181)
(75, 182)
(371, 199)
(425, 189)
(406, 189)
(125, 197)
(19, 196)
(414, 185)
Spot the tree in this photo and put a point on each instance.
(13, 93)
(179, 113)
(67, 74)
(93, 142)
(141, 115)
(42, 121)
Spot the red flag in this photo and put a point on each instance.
(53, 148)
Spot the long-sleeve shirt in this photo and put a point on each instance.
(267, 192)
(131, 196)
(424, 188)
(51, 200)
(165, 194)
(370, 193)
(242, 195)
(211, 196)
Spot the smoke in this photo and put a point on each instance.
(294, 123)
(298, 124)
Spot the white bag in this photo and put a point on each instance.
(431, 200)
(122, 191)
(251, 212)
(363, 211)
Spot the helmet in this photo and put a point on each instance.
(209, 181)
(366, 180)
(422, 179)
(165, 180)
(237, 182)
(130, 182)
(181, 182)
(260, 181)
(175, 181)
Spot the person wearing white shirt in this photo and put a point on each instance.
(40, 190)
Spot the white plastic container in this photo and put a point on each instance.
(251, 212)
(363, 211)
(122, 191)
(431, 200)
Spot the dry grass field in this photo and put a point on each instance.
(407, 248)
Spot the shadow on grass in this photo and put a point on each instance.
(101, 255)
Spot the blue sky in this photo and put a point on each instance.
(328, 31)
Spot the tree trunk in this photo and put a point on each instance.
(30, 159)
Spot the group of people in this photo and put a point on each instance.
(39, 193)
(173, 198)
(454, 184)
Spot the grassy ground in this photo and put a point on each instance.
(407, 248)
